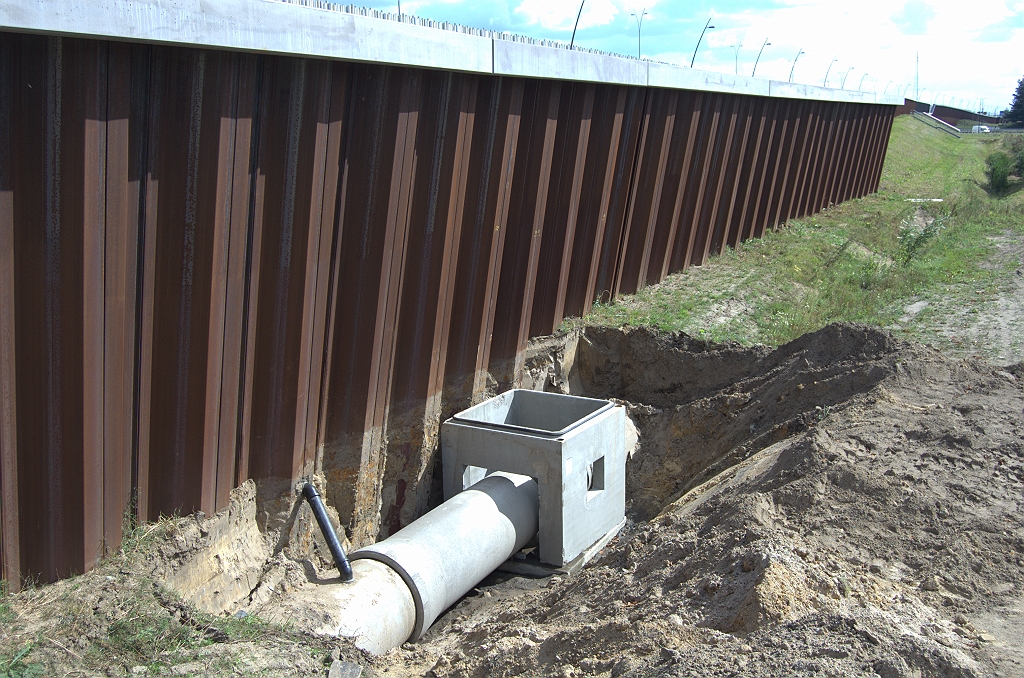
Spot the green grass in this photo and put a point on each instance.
(136, 622)
(13, 661)
(6, 614)
(861, 261)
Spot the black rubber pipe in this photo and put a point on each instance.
(317, 504)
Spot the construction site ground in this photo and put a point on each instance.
(847, 503)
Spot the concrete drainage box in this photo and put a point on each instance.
(573, 447)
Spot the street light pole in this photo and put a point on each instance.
(706, 27)
(825, 82)
(736, 55)
(576, 25)
(639, 25)
(766, 43)
(860, 87)
(793, 67)
(842, 80)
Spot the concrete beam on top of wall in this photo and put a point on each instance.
(287, 28)
(680, 77)
(538, 61)
(792, 90)
(255, 26)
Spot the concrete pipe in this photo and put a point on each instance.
(447, 552)
(376, 611)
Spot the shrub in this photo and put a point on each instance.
(1014, 144)
(998, 171)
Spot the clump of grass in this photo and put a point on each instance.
(913, 239)
(15, 666)
(998, 171)
(6, 613)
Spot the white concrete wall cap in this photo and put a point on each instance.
(536, 61)
(253, 25)
(272, 26)
(679, 77)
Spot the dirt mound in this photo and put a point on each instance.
(845, 504)
(702, 407)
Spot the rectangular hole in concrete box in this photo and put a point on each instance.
(595, 478)
(549, 413)
(471, 475)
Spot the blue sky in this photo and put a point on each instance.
(968, 50)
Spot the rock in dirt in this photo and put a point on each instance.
(340, 669)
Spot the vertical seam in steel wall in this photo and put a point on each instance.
(453, 239)
(234, 291)
(140, 74)
(638, 155)
(579, 167)
(10, 542)
(773, 112)
(537, 229)
(742, 161)
(93, 293)
(337, 133)
(506, 175)
(695, 104)
(654, 208)
(257, 190)
(887, 117)
(216, 339)
(606, 194)
(317, 251)
(120, 269)
(752, 166)
(710, 145)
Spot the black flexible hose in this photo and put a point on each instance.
(317, 504)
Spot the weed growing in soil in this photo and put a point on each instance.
(6, 615)
(862, 261)
(15, 667)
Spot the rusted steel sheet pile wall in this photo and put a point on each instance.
(948, 114)
(218, 265)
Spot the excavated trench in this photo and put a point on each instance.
(702, 407)
(697, 409)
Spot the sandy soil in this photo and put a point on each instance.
(991, 324)
(847, 504)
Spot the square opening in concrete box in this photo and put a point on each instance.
(573, 447)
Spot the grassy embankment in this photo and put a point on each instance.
(866, 260)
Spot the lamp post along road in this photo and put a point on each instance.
(576, 25)
(639, 25)
(793, 67)
(842, 79)
(766, 43)
(825, 82)
(860, 87)
(706, 27)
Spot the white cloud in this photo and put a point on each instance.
(561, 14)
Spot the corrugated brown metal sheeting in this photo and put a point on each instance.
(214, 265)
